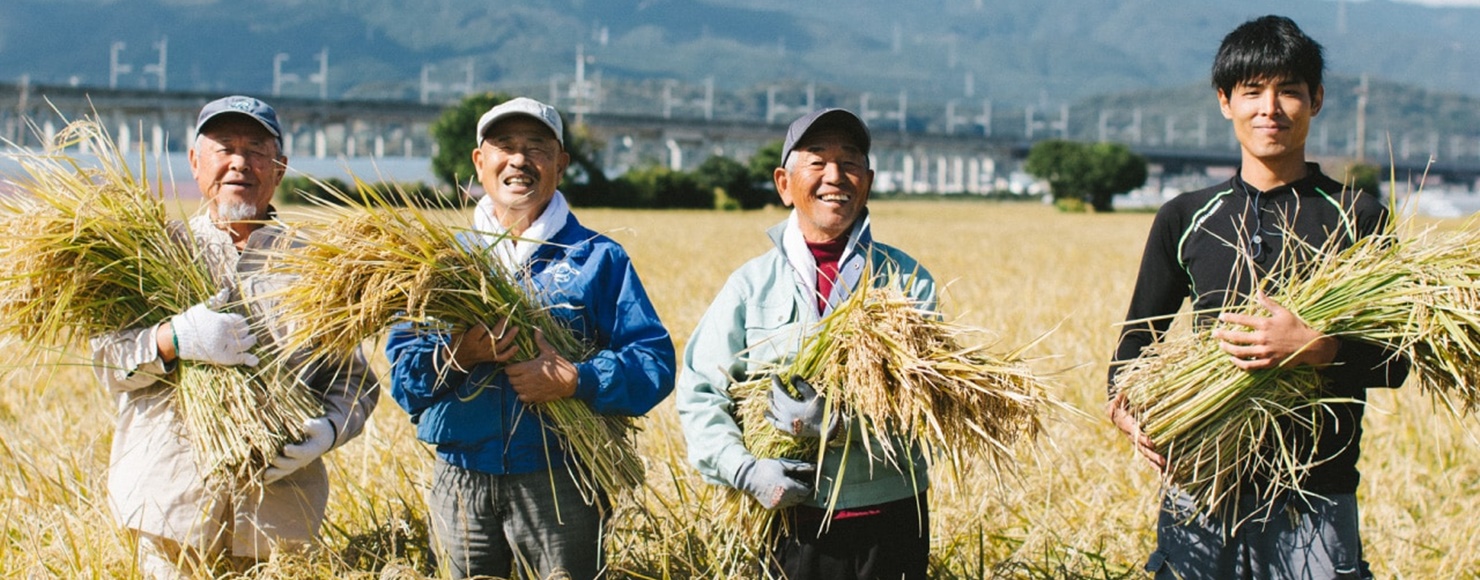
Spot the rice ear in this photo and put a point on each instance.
(1414, 294)
(87, 248)
(364, 261)
(908, 382)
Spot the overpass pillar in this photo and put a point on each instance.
(124, 136)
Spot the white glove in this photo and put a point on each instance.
(318, 437)
(219, 338)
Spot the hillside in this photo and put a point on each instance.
(1015, 52)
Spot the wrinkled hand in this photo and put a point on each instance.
(546, 378)
(220, 338)
(776, 483)
(318, 437)
(801, 414)
(1128, 425)
(1281, 339)
(481, 344)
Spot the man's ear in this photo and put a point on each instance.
(1223, 105)
(782, 179)
(1317, 99)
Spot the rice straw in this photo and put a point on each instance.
(365, 264)
(87, 249)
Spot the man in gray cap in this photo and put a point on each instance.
(872, 519)
(186, 526)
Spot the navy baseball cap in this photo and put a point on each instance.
(840, 118)
(240, 105)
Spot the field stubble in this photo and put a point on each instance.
(1081, 505)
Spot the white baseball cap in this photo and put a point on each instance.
(522, 106)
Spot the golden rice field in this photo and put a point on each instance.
(1082, 504)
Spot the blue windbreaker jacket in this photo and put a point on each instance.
(588, 281)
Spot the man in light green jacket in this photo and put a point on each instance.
(879, 524)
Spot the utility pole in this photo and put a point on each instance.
(985, 120)
(1362, 118)
(581, 91)
(322, 77)
(278, 76)
(427, 85)
(468, 79)
(116, 68)
(159, 70)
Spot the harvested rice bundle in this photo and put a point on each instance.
(901, 376)
(1443, 330)
(1220, 426)
(366, 264)
(87, 248)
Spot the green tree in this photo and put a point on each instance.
(764, 163)
(1113, 168)
(1364, 177)
(1089, 173)
(657, 186)
(762, 169)
(453, 132)
(731, 181)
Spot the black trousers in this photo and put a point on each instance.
(893, 544)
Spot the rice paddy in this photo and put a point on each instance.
(1080, 504)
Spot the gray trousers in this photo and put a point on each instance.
(514, 525)
(1316, 539)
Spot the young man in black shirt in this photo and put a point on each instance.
(1207, 244)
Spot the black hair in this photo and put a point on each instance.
(1267, 48)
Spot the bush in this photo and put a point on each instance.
(660, 187)
(1071, 205)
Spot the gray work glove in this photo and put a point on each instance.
(798, 410)
(318, 437)
(776, 483)
(221, 338)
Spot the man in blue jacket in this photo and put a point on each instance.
(502, 474)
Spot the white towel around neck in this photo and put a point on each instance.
(514, 254)
(803, 265)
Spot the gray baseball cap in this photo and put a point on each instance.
(240, 105)
(522, 106)
(841, 118)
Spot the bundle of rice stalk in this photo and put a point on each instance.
(906, 380)
(365, 264)
(1443, 331)
(87, 248)
(1221, 427)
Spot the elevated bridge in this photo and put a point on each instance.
(163, 123)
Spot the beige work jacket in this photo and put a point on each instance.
(153, 483)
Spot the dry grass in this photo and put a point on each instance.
(1082, 505)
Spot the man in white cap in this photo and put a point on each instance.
(186, 527)
(872, 519)
(503, 499)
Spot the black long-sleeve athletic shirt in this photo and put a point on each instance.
(1198, 249)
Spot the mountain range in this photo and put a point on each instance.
(1014, 52)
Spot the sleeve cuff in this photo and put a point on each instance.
(729, 461)
(587, 383)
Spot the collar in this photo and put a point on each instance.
(1312, 173)
(788, 238)
(515, 252)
